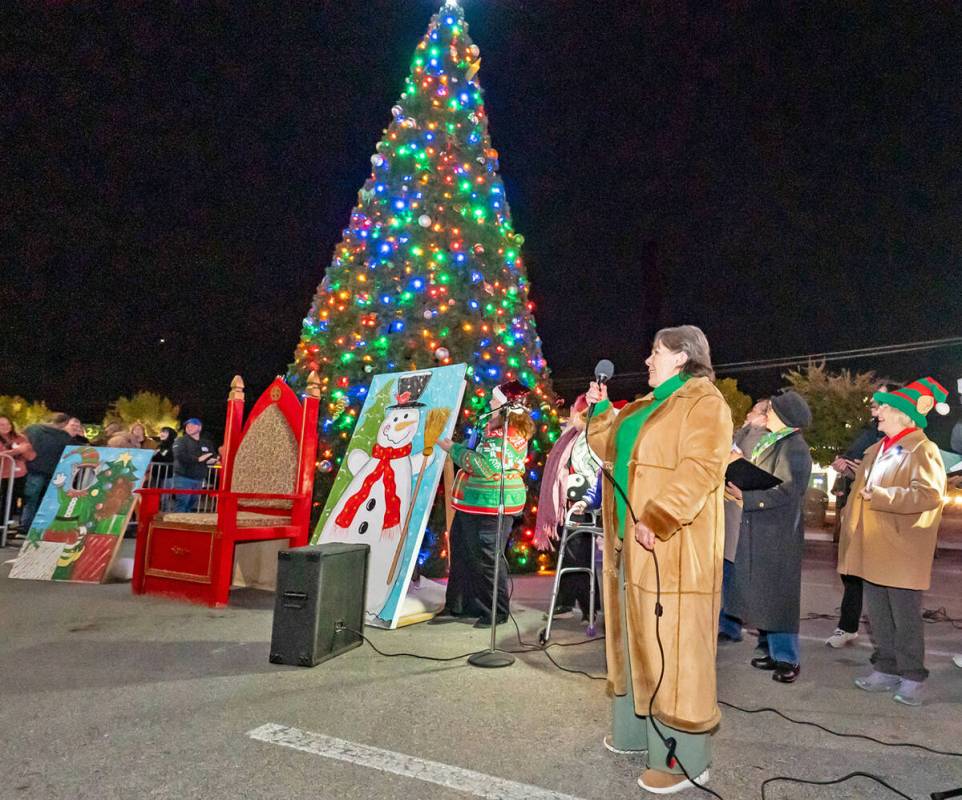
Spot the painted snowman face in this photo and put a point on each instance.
(399, 427)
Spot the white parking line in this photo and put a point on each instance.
(463, 780)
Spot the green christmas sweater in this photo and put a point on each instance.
(478, 484)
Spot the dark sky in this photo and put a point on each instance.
(786, 175)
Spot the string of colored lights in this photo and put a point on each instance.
(429, 270)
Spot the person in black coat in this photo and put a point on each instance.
(164, 454)
(767, 585)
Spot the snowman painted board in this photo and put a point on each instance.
(374, 507)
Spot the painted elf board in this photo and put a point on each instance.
(84, 513)
(383, 493)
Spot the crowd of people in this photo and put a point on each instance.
(690, 559)
(183, 461)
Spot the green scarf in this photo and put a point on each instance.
(769, 439)
(625, 438)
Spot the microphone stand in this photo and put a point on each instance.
(491, 658)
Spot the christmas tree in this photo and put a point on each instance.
(429, 270)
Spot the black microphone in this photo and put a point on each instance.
(604, 371)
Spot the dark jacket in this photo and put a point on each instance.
(48, 443)
(187, 451)
(868, 436)
(165, 448)
(766, 591)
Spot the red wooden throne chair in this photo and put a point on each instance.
(264, 495)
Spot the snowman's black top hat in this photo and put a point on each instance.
(409, 390)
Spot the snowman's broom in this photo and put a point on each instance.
(433, 428)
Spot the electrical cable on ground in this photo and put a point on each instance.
(834, 782)
(838, 733)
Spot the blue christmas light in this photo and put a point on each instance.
(386, 299)
(397, 326)
(476, 276)
(474, 305)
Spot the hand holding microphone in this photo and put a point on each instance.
(596, 393)
(598, 389)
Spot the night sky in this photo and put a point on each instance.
(785, 175)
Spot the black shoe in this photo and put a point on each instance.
(727, 637)
(485, 622)
(785, 672)
(444, 616)
(763, 662)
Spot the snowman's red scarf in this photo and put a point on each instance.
(383, 471)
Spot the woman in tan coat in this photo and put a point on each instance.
(889, 531)
(668, 452)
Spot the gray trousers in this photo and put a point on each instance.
(897, 630)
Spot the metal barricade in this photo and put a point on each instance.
(572, 529)
(208, 504)
(161, 476)
(7, 496)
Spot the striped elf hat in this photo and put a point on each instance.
(917, 399)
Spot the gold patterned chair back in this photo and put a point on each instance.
(266, 459)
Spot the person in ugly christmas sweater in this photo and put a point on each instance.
(475, 539)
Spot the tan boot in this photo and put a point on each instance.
(656, 782)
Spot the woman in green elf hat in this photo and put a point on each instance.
(888, 535)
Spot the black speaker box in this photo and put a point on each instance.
(320, 594)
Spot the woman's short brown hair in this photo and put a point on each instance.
(691, 341)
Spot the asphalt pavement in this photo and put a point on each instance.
(107, 695)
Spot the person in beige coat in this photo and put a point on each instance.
(888, 536)
(668, 452)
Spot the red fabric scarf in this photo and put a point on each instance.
(888, 441)
(392, 510)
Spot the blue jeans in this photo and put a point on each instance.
(186, 503)
(727, 624)
(33, 491)
(779, 646)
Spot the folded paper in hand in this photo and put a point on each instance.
(749, 478)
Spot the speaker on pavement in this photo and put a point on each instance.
(320, 591)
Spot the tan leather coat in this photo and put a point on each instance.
(675, 486)
(890, 539)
